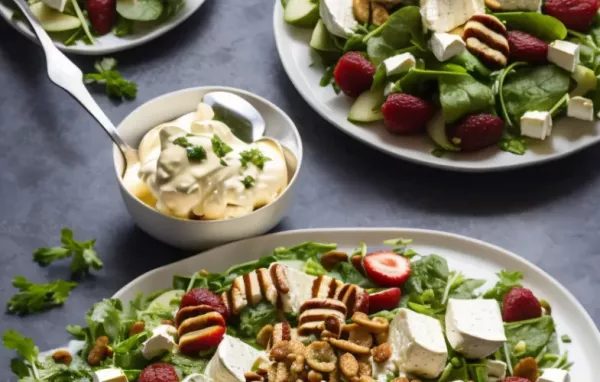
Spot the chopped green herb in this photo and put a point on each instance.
(193, 152)
(248, 181)
(219, 147)
(34, 298)
(438, 152)
(254, 156)
(565, 339)
(108, 75)
(223, 163)
(25, 348)
(515, 145)
(82, 252)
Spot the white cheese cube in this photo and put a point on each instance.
(445, 46)
(517, 5)
(109, 375)
(555, 375)
(59, 5)
(496, 369)
(300, 290)
(581, 108)
(197, 378)
(474, 328)
(231, 360)
(418, 343)
(445, 15)
(399, 64)
(162, 341)
(564, 54)
(338, 17)
(536, 124)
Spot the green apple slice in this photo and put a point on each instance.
(53, 20)
(301, 13)
(367, 107)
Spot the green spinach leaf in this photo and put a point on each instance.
(536, 334)
(470, 62)
(543, 26)
(252, 319)
(462, 95)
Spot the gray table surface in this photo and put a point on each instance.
(55, 171)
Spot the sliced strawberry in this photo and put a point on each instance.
(387, 268)
(385, 300)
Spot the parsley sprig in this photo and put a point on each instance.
(108, 75)
(254, 156)
(34, 298)
(25, 347)
(248, 181)
(220, 148)
(82, 252)
(194, 152)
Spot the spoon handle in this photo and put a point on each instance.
(64, 73)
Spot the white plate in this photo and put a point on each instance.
(108, 43)
(473, 257)
(569, 136)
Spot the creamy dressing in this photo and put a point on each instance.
(185, 172)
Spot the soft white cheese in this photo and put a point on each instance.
(197, 378)
(338, 16)
(564, 54)
(59, 5)
(300, 290)
(418, 343)
(399, 64)
(445, 15)
(109, 375)
(474, 328)
(162, 341)
(581, 108)
(555, 375)
(536, 124)
(231, 360)
(496, 369)
(519, 5)
(446, 45)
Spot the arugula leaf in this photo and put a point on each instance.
(252, 319)
(348, 273)
(535, 334)
(543, 26)
(25, 347)
(186, 365)
(512, 144)
(470, 62)
(35, 298)
(429, 272)
(463, 95)
(507, 281)
(104, 319)
(108, 75)
(313, 267)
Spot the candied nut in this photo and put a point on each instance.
(334, 376)
(98, 352)
(527, 368)
(314, 376)
(400, 379)
(62, 356)
(279, 351)
(167, 322)
(203, 273)
(382, 352)
(381, 338)
(379, 14)
(361, 337)
(297, 366)
(252, 376)
(364, 369)
(321, 357)
(349, 328)
(279, 277)
(137, 327)
(366, 379)
(332, 258)
(109, 351)
(376, 325)
(349, 346)
(282, 373)
(348, 365)
(264, 335)
(333, 325)
(361, 10)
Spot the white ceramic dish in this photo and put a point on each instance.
(568, 137)
(473, 257)
(109, 43)
(193, 234)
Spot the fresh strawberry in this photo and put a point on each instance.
(528, 48)
(575, 14)
(515, 379)
(520, 304)
(201, 296)
(385, 300)
(159, 372)
(387, 268)
(476, 132)
(102, 14)
(200, 340)
(353, 74)
(406, 114)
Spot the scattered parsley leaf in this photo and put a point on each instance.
(565, 339)
(223, 163)
(194, 152)
(254, 156)
(108, 75)
(25, 348)
(248, 181)
(515, 145)
(219, 147)
(507, 281)
(34, 298)
(438, 152)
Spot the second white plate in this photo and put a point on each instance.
(568, 137)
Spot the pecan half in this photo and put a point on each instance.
(362, 10)
(62, 356)
(379, 14)
(332, 258)
(98, 352)
(527, 368)
(136, 327)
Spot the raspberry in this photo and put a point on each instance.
(476, 132)
(354, 74)
(406, 114)
(159, 372)
(102, 14)
(575, 14)
(520, 304)
(528, 48)
(515, 379)
(200, 296)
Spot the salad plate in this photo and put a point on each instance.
(306, 70)
(562, 338)
(138, 34)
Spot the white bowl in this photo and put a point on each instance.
(195, 234)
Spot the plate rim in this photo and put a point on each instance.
(279, 32)
(89, 50)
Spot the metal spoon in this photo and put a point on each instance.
(239, 115)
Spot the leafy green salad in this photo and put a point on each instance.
(468, 74)
(391, 312)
